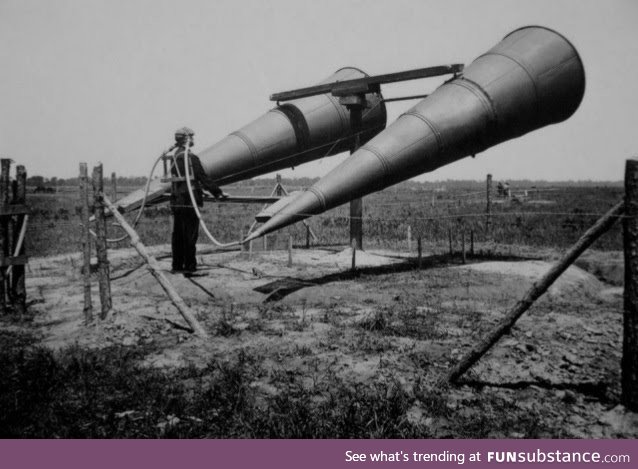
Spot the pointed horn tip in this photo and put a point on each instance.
(251, 236)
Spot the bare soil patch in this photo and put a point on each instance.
(559, 369)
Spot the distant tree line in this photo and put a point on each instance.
(137, 181)
(41, 181)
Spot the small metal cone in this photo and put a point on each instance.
(302, 207)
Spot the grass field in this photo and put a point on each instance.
(553, 216)
(352, 355)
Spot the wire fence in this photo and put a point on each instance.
(385, 225)
(546, 216)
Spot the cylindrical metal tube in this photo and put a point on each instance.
(296, 132)
(532, 78)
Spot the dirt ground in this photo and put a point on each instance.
(387, 321)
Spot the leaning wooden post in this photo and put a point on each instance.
(100, 242)
(538, 288)
(86, 241)
(488, 219)
(629, 362)
(155, 269)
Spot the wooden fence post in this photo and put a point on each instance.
(113, 187)
(449, 238)
(629, 362)
(409, 237)
(463, 245)
(86, 241)
(420, 250)
(488, 220)
(289, 250)
(356, 222)
(100, 242)
(353, 244)
(472, 243)
(18, 285)
(5, 167)
(245, 249)
(538, 288)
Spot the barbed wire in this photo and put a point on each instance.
(59, 224)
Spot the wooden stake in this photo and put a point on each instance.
(409, 237)
(538, 288)
(356, 222)
(290, 251)
(420, 258)
(463, 246)
(488, 219)
(100, 242)
(245, 248)
(449, 238)
(18, 285)
(307, 237)
(5, 167)
(354, 255)
(113, 187)
(472, 243)
(155, 270)
(86, 241)
(356, 205)
(19, 232)
(629, 362)
(265, 239)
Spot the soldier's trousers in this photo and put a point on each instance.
(184, 239)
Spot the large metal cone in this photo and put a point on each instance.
(532, 78)
(288, 135)
(294, 133)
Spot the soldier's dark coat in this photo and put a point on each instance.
(185, 221)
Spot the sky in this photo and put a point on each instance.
(109, 81)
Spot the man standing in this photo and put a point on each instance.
(185, 220)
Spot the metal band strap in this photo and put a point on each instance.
(299, 124)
